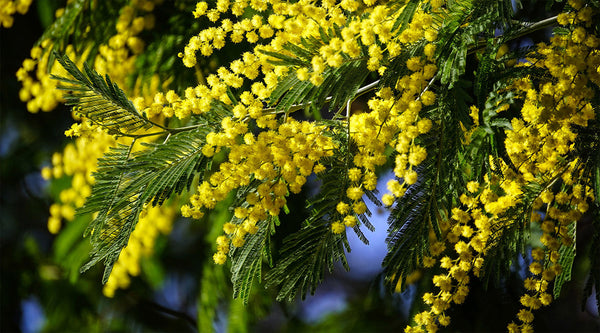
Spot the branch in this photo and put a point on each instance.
(531, 27)
(528, 28)
(296, 107)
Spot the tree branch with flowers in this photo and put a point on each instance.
(493, 146)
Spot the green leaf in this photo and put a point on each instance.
(238, 317)
(69, 237)
(414, 215)
(153, 270)
(112, 236)
(168, 168)
(124, 185)
(101, 100)
(70, 250)
(108, 179)
(306, 255)
(339, 85)
(63, 25)
(284, 59)
(213, 288)
(126, 182)
(405, 16)
(509, 235)
(246, 261)
(83, 25)
(566, 258)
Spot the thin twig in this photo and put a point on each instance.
(528, 28)
(296, 107)
(428, 85)
(531, 27)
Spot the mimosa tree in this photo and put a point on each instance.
(230, 109)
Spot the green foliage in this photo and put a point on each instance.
(112, 227)
(509, 236)
(305, 257)
(492, 95)
(495, 125)
(101, 100)
(469, 26)
(126, 181)
(406, 15)
(567, 256)
(455, 41)
(70, 250)
(168, 39)
(247, 261)
(168, 168)
(213, 290)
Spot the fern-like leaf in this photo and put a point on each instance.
(65, 24)
(126, 184)
(408, 11)
(307, 254)
(170, 167)
(567, 256)
(339, 85)
(101, 100)
(82, 25)
(109, 233)
(408, 240)
(246, 261)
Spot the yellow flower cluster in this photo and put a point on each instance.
(117, 57)
(394, 120)
(78, 161)
(153, 221)
(39, 89)
(195, 101)
(280, 159)
(562, 211)
(8, 8)
(539, 145)
(469, 244)
(287, 151)
(368, 36)
(349, 209)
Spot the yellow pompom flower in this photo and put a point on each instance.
(354, 193)
(350, 221)
(337, 227)
(219, 258)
